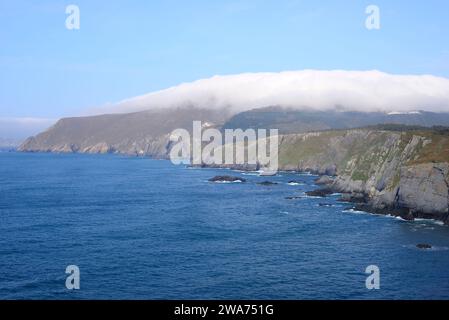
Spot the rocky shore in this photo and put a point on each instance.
(386, 172)
(403, 174)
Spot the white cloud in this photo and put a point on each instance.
(307, 89)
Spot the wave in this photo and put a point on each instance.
(236, 181)
(437, 222)
(305, 196)
(355, 211)
(395, 217)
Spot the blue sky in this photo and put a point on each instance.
(128, 48)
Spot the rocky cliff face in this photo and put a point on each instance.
(405, 174)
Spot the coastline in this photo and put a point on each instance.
(353, 192)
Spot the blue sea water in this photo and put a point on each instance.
(146, 229)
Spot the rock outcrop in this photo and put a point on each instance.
(226, 179)
(267, 183)
(399, 173)
(324, 180)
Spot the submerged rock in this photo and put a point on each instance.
(267, 183)
(226, 179)
(325, 204)
(293, 198)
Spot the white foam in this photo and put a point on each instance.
(236, 181)
(355, 211)
(440, 223)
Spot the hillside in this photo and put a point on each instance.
(147, 132)
(141, 133)
(298, 121)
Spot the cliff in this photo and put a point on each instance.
(399, 173)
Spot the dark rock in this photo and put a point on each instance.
(353, 197)
(319, 193)
(331, 171)
(226, 179)
(407, 216)
(358, 197)
(423, 246)
(404, 213)
(345, 197)
(295, 182)
(325, 204)
(267, 183)
(293, 198)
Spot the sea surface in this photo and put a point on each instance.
(146, 229)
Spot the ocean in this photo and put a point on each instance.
(146, 229)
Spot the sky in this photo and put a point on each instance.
(130, 48)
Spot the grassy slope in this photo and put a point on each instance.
(359, 151)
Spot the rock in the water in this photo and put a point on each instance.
(293, 198)
(324, 180)
(325, 204)
(295, 182)
(226, 179)
(319, 193)
(267, 183)
(423, 246)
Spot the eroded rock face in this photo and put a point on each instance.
(324, 180)
(416, 191)
(383, 172)
(424, 188)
